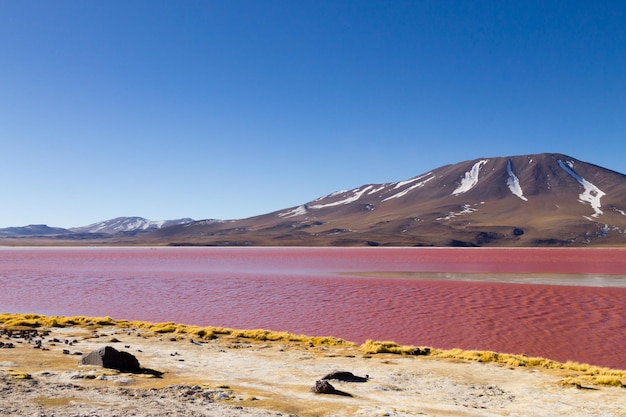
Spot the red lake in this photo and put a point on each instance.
(563, 304)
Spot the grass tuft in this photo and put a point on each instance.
(373, 347)
(268, 335)
(611, 380)
(588, 373)
(20, 374)
(9, 321)
(13, 321)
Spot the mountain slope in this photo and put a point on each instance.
(544, 199)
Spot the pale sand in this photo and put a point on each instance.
(241, 377)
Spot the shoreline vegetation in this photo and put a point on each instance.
(49, 367)
(582, 373)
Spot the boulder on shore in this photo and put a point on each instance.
(109, 357)
(323, 387)
(346, 376)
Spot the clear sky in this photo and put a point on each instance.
(229, 109)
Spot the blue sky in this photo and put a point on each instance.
(228, 109)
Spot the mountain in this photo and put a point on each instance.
(120, 225)
(529, 200)
(33, 230)
(128, 225)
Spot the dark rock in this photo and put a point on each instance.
(420, 352)
(461, 244)
(551, 242)
(109, 357)
(345, 376)
(323, 387)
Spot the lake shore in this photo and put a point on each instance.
(198, 372)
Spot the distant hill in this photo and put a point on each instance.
(34, 230)
(119, 225)
(128, 224)
(529, 200)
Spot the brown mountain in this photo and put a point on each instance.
(530, 200)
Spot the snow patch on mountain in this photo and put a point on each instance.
(356, 194)
(204, 222)
(470, 179)
(128, 224)
(375, 190)
(124, 224)
(591, 193)
(297, 211)
(513, 182)
(411, 188)
(403, 183)
(466, 209)
(333, 194)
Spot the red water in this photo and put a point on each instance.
(321, 292)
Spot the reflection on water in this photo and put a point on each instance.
(583, 280)
(467, 298)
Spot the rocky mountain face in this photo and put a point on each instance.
(530, 200)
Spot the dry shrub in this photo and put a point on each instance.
(207, 333)
(20, 374)
(504, 358)
(372, 347)
(168, 327)
(571, 382)
(330, 341)
(268, 335)
(590, 373)
(36, 320)
(615, 381)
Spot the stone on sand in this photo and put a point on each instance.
(109, 357)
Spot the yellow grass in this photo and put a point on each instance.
(19, 374)
(35, 320)
(585, 372)
(16, 321)
(373, 347)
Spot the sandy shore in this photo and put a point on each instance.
(231, 376)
